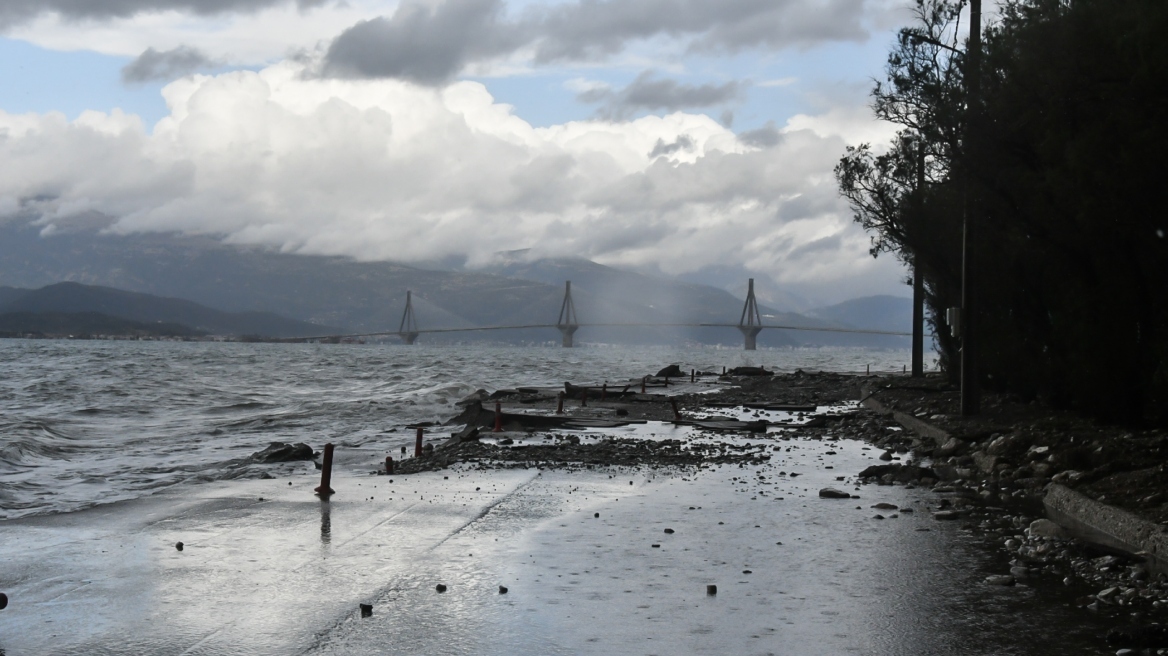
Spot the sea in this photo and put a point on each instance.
(84, 423)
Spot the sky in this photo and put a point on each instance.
(687, 138)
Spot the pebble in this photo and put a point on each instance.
(178, 545)
(711, 589)
(3, 601)
(1000, 579)
(366, 610)
(502, 589)
(884, 506)
(946, 515)
(441, 587)
(669, 530)
(832, 493)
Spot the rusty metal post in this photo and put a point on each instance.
(560, 403)
(418, 444)
(603, 391)
(326, 472)
(676, 412)
(498, 418)
(389, 465)
(584, 397)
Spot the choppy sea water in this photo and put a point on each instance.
(85, 423)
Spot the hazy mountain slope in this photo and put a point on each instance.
(72, 298)
(892, 313)
(13, 324)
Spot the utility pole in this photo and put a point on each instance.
(970, 333)
(918, 302)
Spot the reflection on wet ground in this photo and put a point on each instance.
(586, 558)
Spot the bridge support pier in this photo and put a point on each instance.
(751, 335)
(568, 323)
(408, 330)
(751, 321)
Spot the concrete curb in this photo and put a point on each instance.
(1107, 525)
(906, 420)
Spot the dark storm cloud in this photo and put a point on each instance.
(165, 64)
(648, 92)
(421, 45)
(765, 137)
(432, 45)
(13, 12)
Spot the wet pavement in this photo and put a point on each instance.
(267, 568)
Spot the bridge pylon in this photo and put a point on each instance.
(568, 323)
(751, 321)
(408, 330)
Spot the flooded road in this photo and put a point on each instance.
(585, 556)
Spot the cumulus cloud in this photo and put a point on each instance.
(391, 170)
(165, 64)
(433, 43)
(13, 12)
(648, 92)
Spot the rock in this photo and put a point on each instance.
(441, 587)
(887, 455)
(1149, 635)
(1044, 528)
(884, 506)
(947, 515)
(898, 472)
(281, 452)
(178, 545)
(1020, 572)
(984, 461)
(473, 398)
(3, 601)
(672, 371)
(1000, 579)
(502, 589)
(750, 371)
(711, 590)
(366, 610)
(1107, 594)
(669, 530)
(951, 447)
(832, 493)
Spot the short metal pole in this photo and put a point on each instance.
(498, 418)
(389, 465)
(418, 444)
(326, 472)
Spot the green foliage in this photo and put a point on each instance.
(1063, 166)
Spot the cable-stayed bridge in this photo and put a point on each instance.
(750, 324)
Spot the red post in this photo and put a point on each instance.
(560, 403)
(603, 391)
(498, 417)
(642, 386)
(418, 444)
(676, 412)
(389, 465)
(326, 472)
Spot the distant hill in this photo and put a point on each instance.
(74, 298)
(79, 324)
(893, 313)
(370, 296)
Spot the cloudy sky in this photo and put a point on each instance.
(693, 138)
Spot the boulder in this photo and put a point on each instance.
(1000, 579)
(832, 493)
(282, 452)
(750, 371)
(951, 447)
(1044, 528)
(984, 461)
(898, 472)
(672, 371)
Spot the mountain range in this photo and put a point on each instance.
(285, 294)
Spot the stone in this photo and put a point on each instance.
(947, 515)
(441, 587)
(711, 590)
(952, 446)
(832, 493)
(669, 530)
(366, 610)
(178, 545)
(672, 371)
(887, 455)
(884, 506)
(1000, 579)
(984, 461)
(1044, 528)
(502, 589)
(3, 601)
(282, 452)
(1020, 572)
